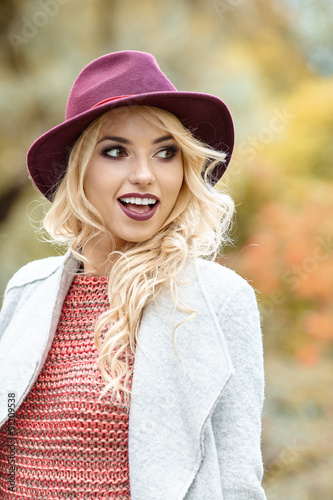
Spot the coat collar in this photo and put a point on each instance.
(32, 307)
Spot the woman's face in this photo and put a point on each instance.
(134, 177)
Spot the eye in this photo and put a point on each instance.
(114, 152)
(167, 153)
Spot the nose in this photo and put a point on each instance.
(142, 172)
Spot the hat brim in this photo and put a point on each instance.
(206, 116)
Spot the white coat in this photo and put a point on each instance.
(195, 415)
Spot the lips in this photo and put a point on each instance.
(139, 207)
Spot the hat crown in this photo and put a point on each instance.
(113, 75)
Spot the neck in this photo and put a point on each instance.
(97, 252)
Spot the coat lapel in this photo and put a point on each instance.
(28, 338)
(173, 394)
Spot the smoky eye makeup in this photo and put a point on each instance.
(167, 152)
(115, 151)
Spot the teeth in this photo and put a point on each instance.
(139, 201)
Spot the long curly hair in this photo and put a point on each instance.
(198, 225)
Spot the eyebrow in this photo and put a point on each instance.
(126, 141)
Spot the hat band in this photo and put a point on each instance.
(109, 100)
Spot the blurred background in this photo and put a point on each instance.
(272, 62)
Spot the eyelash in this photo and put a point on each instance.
(105, 152)
(173, 149)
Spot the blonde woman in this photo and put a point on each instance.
(130, 367)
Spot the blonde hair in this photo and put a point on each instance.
(197, 226)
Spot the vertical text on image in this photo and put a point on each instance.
(11, 440)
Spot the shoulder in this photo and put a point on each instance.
(220, 284)
(36, 270)
(219, 275)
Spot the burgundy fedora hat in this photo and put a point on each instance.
(126, 78)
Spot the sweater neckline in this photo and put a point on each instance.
(84, 278)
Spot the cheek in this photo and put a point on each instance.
(174, 179)
(95, 182)
(172, 193)
(89, 188)
(178, 182)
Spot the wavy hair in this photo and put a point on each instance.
(197, 226)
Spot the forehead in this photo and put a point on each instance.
(130, 119)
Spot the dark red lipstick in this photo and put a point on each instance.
(138, 216)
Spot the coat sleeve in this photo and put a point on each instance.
(236, 419)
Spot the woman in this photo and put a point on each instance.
(134, 368)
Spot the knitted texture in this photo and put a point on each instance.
(67, 443)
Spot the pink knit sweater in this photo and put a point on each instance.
(68, 444)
